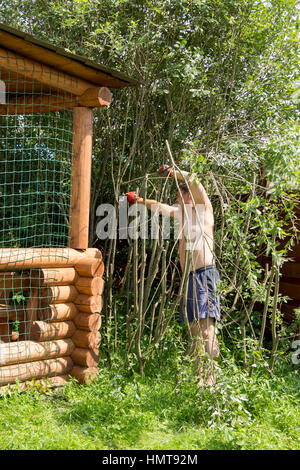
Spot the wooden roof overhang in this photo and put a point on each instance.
(40, 77)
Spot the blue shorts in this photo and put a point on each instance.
(202, 301)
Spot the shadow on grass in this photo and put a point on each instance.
(99, 416)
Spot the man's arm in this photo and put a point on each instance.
(164, 209)
(198, 192)
(155, 206)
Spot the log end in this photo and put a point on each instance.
(84, 375)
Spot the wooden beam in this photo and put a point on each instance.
(58, 294)
(58, 312)
(88, 322)
(89, 303)
(26, 258)
(90, 267)
(34, 70)
(37, 104)
(95, 97)
(29, 351)
(36, 369)
(81, 177)
(87, 339)
(90, 285)
(85, 357)
(43, 331)
(30, 258)
(29, 103)
(53, 277)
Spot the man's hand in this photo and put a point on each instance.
(165, 170)
(133, 197)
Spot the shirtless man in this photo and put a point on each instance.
(201, 308)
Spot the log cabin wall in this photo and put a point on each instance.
(58, 333)
(58, 324)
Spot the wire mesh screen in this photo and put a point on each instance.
(35, 163)
(35, 179)
(35, 193)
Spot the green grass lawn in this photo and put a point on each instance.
(164, 410)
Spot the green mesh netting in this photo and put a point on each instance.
(35, 195)
(35, 171)
(35, 179)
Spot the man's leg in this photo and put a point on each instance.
(197, 349)
(205, 347)
(210, 338)
(211, 347)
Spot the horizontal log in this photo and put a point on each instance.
(58, 312)
(37, 103)
(53, 277)
(57, 381)
(95, 97)
(93, 253)
(90, 267)
(86, 339)
(90, 285)
(43, 331)
(89, 304)
(88, 321)
(41, 73)
(58, 294)
(36, 369)
(84, 375)
(29, 258)
(29, 351)
(85, 357)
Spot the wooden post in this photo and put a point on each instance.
(81, 177)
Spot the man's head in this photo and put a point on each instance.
(183, 195)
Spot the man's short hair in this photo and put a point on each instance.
(184, 188)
